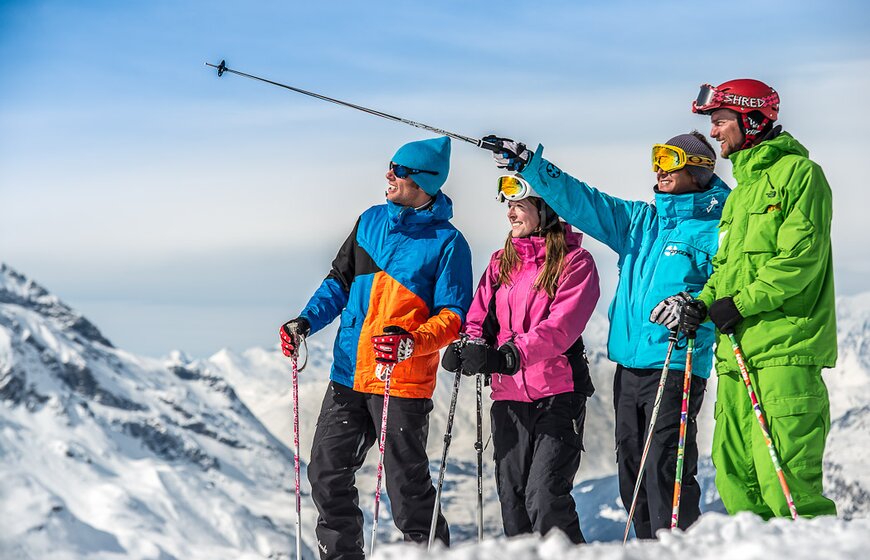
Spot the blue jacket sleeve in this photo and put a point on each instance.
(332, 295)
(452, 297)
(604, 217)
(454, 286)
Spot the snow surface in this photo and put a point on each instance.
(105, 454)
(715, 536)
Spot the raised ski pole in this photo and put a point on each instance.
(756, 406)
(222, 67)
(672, 341)
(447, 437)
(388, 372)
(684, 420)
(478, 445)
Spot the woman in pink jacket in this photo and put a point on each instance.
(530, 308)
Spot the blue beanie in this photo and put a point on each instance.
(427, 155)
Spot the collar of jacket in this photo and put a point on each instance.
(441, 210)
(749, 164)
(694, 204)
(534, 247)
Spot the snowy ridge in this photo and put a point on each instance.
(110, 455)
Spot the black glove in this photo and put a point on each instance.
(511, 155)
(290, 333)
(452, 361)
(725, 315)
(482, 358)
(669, 310)
(694, 313)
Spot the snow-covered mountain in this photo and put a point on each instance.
(110, 455)
(105, 454)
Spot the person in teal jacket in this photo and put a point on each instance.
(773, 289)
(664, 247)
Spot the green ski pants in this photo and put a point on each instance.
(794, 400)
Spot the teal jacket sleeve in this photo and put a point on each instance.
(606, 218)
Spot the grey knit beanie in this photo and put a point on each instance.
(695, 146)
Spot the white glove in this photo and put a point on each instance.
(669, 310)
(511, 155)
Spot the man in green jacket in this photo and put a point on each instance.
(773, 288)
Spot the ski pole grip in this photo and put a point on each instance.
(490, 143)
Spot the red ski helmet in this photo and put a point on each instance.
(756, 102)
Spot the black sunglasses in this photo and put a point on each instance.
(402, 171)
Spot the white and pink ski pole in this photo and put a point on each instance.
(388, 371)
(296, 457)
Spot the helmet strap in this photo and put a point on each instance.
(754, 126)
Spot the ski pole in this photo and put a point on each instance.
(478, 445)
(447, 437)
(222, 67)
(672, 341)
(684, 420)
(756, 406)
(388, 372)
(296, 455)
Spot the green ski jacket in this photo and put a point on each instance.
(774, 259)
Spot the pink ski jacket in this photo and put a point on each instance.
(545, 330)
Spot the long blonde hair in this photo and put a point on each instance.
(554, 261)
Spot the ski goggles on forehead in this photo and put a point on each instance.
(402, 171)
(672, 158)
(513, 188)
(706, 98)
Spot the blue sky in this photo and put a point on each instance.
(179, 210)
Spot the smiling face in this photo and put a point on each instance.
(676, 182)
(726, 130)
(405, 192)
(524, 217)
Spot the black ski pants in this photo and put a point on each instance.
(634, 394)
(348, 425)
(537, 453)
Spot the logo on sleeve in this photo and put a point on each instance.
(553, 171)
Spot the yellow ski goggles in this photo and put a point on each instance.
(513, 188)
(671, 158)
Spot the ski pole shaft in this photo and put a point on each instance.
(222, 67)
(447, 437)
(672, 340)
(388, 372)
(478, 445)
(684, 420)
(756, 406)
(296, 457)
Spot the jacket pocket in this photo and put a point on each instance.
(348, 319)
(761, 230)
(798, 426)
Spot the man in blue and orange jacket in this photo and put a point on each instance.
(402, 282)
